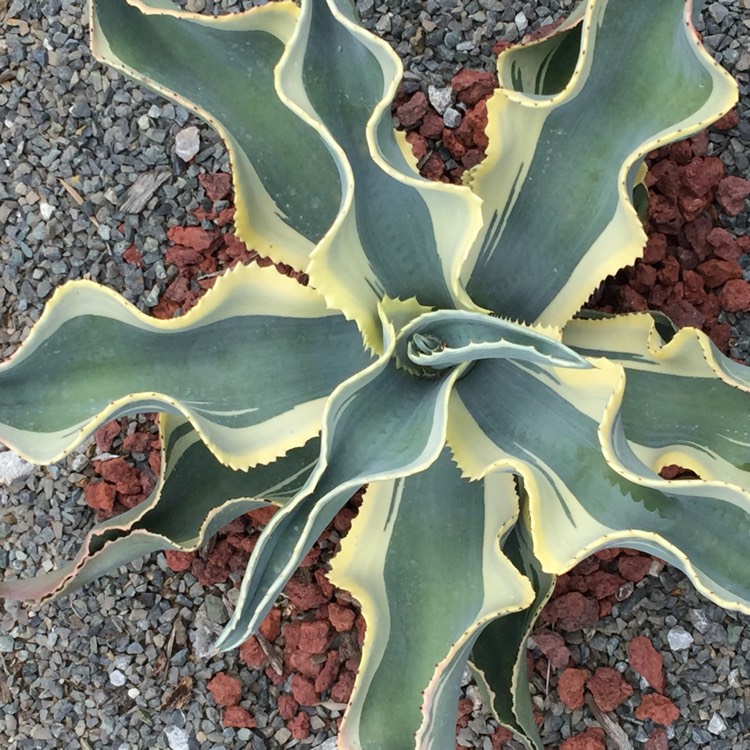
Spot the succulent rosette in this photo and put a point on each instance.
(435, 355)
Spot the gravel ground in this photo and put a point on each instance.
(79, 673)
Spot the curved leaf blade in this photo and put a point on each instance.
(442, 572)
(292, 201)
(642, 80)
(253, 381)
(195, 496)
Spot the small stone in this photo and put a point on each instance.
(522, 23)
(717, 725)
(718, 12)
(440, 98)
(177, 738)
(117, 678)
(187, 143)
(215, 609)
(679, 639)
(6, 644)
(452, 118)
(13, 467)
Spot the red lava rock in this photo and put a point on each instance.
(630, 300)
(681, 152)
(683, 314)
(178, 561)
(591, 739)
(731, 194)
(287, 706)
(702, 175)
(177, 291)
(413, 110)
(694, 290)
(665, 214)
(633, 567)
(669, 274)
(303, 595)
(418, 143)
(729, 120)
(342, 690)
(325, 585)
(237, 717)
(605, 607)
(573, 611)
(724, 244)
(126, 477)
(603, 584)
(472, 85)
(271, 626)
(647, 661)
(261, 516)
(217, 186)
(665, 176)
(100, 496)
(643, 278)
(314, 637)
(226, 689)
(500, 737)
(434, 167)
(432, 126)
(658, 708)
(303, 691)
(465, 707)
(299, 726)
(342, 618)
(133, 256)
(570, 687)
(608, 688)
(138, 442)
(720, 334)
(717, 271)
(735, 296)
(656, 248)
(196, 238)
(699, 143)
(553, 646)
(303, 663)
(696, 234)
(105, 435)
(252, 654)
(657, 740)
(181, 256)
(343, 520)
(328, 674)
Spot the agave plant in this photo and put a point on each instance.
(435, 355)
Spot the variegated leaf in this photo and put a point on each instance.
(381, 424)
(286, 198)
(251, 366)
(562, 201)
(195, 496)
(423, 559)
(396, 233)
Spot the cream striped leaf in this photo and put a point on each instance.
(562, 201)
(195, 496)
(428, 582)
(285, 203)
(251, 366)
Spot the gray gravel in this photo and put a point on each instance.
(78, 673)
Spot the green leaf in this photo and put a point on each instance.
(498, 658)
(442, 339)
(428, 583)
(561, 430)
(286, 198)
(396, 233)
(560, 170)
(251, 366)
(195, 496)
(381, 424)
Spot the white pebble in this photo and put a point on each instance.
(187, 143)
(13, 467)
(117, 678)
(46, 210)
(717, 725)
(177, 738)
(679, 639)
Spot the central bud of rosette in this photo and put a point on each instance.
(437, 341)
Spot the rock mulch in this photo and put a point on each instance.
(146, 680)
